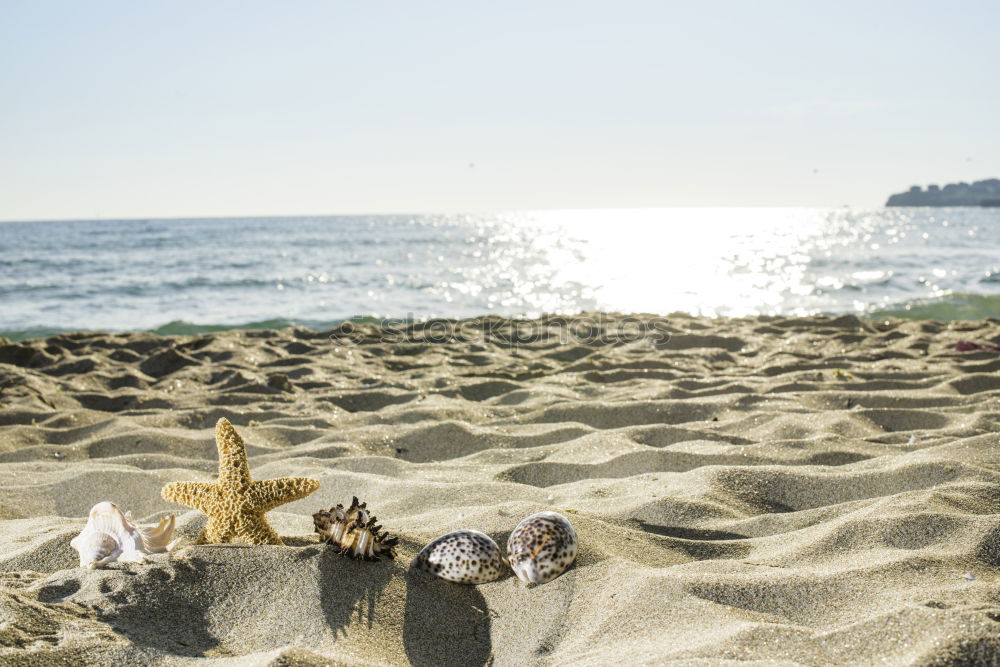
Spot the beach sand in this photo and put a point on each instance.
(800, 491)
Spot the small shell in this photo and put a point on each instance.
(541, 547)
(110, 535)
(354, 531)
(465, 557)
(157, 540)
(96, 548)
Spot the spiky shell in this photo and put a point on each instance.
(354, 532)
(111, 535)
(541, 547)
(465, 557)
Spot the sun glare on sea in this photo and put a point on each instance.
(706, 261)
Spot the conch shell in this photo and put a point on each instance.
(110, 535)
(354, 532)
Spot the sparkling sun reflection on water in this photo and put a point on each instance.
(707, 261)
(114, 275)
(727, 261)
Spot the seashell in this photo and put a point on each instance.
(111, 535)
(541, 547)
(355, 532)
(465, 557)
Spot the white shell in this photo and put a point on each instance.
(110, 535)
(541, 547)
(465, 557)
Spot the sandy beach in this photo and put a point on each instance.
(769, 490)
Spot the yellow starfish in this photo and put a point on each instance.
(236, 504)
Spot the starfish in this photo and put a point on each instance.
(235, 504)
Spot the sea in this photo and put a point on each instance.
(179, 276)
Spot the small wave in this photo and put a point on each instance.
(15, 335)
(185, 328)
(950, 307)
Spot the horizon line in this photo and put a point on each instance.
(283, 216)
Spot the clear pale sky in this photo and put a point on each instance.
(154, 108)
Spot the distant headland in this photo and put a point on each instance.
(980, 193)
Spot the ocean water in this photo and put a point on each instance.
(187, 275)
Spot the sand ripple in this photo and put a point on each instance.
(800, 491)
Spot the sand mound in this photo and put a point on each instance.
(790, 491)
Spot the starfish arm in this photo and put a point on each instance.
(235, 504)
(220, 528)
(256, 530)
(233, 467)
(267, 494)
(202, 496)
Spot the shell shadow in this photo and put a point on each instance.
(349, 589)
(154, 607)
(445, 623)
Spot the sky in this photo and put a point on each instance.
(173, 109)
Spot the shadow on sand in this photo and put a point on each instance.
(702, 544)
(445, 623)
(349, 589)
